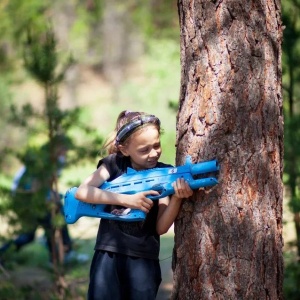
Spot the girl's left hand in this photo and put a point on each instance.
(182, 189)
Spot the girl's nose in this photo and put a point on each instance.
(153, 153)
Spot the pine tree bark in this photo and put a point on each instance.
(228, 239)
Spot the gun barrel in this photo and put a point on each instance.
(205, 167)
(204, 182)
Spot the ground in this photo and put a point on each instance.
(29, 274)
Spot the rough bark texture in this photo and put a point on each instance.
(228, 239)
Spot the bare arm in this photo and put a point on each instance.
(169, 206)
(89, 192)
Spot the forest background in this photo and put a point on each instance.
(107, 56)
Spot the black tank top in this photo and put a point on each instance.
(138, 239)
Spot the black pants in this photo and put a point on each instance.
(119, 277)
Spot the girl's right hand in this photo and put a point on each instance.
(141, 201)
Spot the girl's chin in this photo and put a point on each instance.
(152, 165)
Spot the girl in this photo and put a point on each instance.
(126, 259)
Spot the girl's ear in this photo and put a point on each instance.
(123, 150)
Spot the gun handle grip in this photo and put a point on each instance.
(163, 192)
(154, 197)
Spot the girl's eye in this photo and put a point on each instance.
(143, 151)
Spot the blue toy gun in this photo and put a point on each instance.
(157, 179)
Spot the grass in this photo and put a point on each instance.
(28, 274)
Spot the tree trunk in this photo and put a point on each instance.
(228, 239)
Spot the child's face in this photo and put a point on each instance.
(144, 148)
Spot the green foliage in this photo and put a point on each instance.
(291, 53)
(41, 58)
(291, 286)
(6, 98)
(294, 203)
(51, 134)
(15, 16)
(5, 200)
(157, 19)
(291, 80)
(291, 142)
(22, 14)
(292, 160)
(9, 291)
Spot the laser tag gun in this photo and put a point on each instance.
(131, 182)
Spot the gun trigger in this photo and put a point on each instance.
(159, 188)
